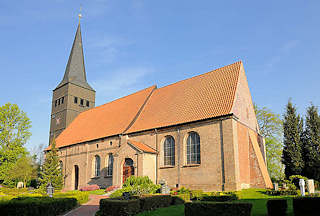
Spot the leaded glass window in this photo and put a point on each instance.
(110, 165)
(97, 166)
(169, 151)
(193, 148)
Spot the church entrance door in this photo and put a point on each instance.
(128, 169)
(76, 177)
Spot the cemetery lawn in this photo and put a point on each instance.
(254, 196)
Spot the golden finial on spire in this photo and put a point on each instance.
(80, 15)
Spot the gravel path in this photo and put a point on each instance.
(89, 208)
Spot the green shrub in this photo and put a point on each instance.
(217, 208)
(111, 207)
(177, 200)
(281, 192)
(36, 206)
(294, 179)
(137, 186)
(303, 206)
(277, 207)
(80, 196)
(196, 193)
(153, 202)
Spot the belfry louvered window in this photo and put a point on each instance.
(169, 151)
(110, 165)
(193, 148)
(97, 166)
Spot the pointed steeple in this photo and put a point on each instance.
(75, 71)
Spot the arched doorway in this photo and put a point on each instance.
(128, 169)
(76, 177)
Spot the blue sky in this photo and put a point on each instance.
(132, 44)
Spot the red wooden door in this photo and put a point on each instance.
(128, 169)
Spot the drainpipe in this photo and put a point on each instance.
(157, 156)
(222, 157)
(178, 153)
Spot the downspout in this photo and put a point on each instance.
(157, 156)
(178, 152)
(222, 157)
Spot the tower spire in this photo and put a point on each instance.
(75, 70)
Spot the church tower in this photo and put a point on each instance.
(73, 95)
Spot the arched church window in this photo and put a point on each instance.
(193, 148)
(169, 151)
(97, 166)
(110, 165)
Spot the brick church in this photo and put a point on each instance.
(198, 133)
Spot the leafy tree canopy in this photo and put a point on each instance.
(23, 170)
(270, 125)
(14, 133)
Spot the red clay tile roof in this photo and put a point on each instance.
(205, 96)
(141, 146)
(106, 120)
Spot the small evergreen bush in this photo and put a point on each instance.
(111, 207)
(137, 186)
(153, 202)
(277, 207)
(37, 206)
(217, 208)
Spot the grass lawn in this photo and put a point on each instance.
(254, 196)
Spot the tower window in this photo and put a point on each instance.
(59, 101)
(75, 100)
(55, 103)
(62, 100)
(81, 102)
(87, 103)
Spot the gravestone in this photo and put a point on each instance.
(276, 186)
(164, 187)
(20, 185)
(284, 186)
(302, 187)
(310, 186)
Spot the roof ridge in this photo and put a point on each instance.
(229, 65)
(140, 110)
(102, 105)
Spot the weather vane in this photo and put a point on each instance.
(80, 15)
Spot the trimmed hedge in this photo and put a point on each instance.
(177, 200)
(153, 202)
(277, 207)
(217, 208)
(303, 206)
(111, 207)
(37, 206)
(219, 198)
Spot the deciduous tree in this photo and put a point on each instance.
(270, 125)
(14, 133)
(23, 170)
